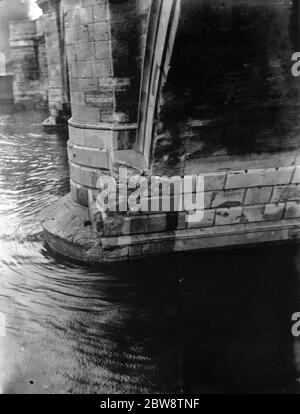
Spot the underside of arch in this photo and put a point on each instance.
(163, 23)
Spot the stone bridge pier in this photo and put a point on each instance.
(180, 88)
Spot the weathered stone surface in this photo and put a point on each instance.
(259, 177)
(251, 214)
(246, 193)
(6, 88)
(77, 136)
(228, 198)
(214, 181)
(90, 157)
(102, 139)
(207, 221)
(292, 210)
(286, 193)
(67, 229)
(296, 177)
(29, 63)
(259, 195)
(58, 97)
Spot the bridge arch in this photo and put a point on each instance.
(162, 28)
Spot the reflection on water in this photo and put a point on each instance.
(209, 322)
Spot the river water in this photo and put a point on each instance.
(209, 322)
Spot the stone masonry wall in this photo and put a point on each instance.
(58, 88)
(27, 47)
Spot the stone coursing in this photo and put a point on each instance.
(27, 45)
(224, 93)
(58, 88)
(6, 88)
(244, 204)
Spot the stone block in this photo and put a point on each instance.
(88, 85)
(85, 51)
(94, 214)
(207, 221)
(125, 139)
(165, 222)
(100, 12)
(86, 114)
(258, 195)
(72, 65)
(86, 69)
(98, 31)
(208, 196)
(102, 49)
(72, 53)
(89, 176)
(102, 100)
(103, 68)
(114, 117)
(79, 193)
(228, 216)
(82, 195)
(83, 33)
(227, 198)
(89, 157)
(86, 15)
(118, 83)
(252, 213)
(292, 210)
(73, 191)
(71, 35)
(115, 254)
(214, 181)
(78, 98)
(125, 225)
(259, 177)
(73, 84)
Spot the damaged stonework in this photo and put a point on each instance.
(38, 62)
(68, 231)
(241, 207)
(58, 82)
